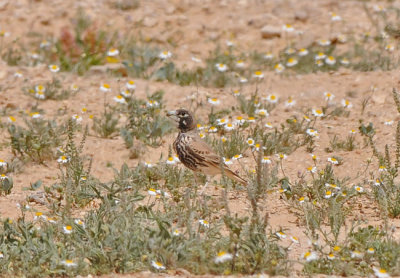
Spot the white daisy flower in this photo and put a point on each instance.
(214, 101)
(157, 265)
(223, 257)
(165, 55)
(105, 88)
(54, 68)
(310, 256)
(204, 223)
(221, 67)
(262, 112)
(120, 99)
(67, 229)
(113, 52)
(77, 118)
(69, 263)
(380, 272)
(303, 52)
(130, 85)
(333, 160)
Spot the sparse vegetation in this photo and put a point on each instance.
(86, 152)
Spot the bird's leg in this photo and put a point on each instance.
(196, 179)
(204, 187)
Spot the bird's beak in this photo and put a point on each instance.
(172, 115)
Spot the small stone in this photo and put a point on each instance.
(3, 74)
(150, 21)
(301, 15)
(170, 9)
(105, 68)
(213, 36)
(269, 32)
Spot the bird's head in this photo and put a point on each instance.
(184, 119)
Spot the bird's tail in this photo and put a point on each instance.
(235, 177)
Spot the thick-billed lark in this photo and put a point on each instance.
(193, 152)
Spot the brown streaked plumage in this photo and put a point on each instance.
(193, 152)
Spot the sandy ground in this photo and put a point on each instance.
(195, 27)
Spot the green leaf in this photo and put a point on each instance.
(36, 184)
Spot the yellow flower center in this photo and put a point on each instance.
(69, 228)
(107, 86)
(336, 248)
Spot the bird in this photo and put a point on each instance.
(195, 153)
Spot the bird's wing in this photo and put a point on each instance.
(200, 148)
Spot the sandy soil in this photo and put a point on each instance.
(195, 27)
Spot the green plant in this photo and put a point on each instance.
(37, 140)
(145, 121)
(107, 124)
